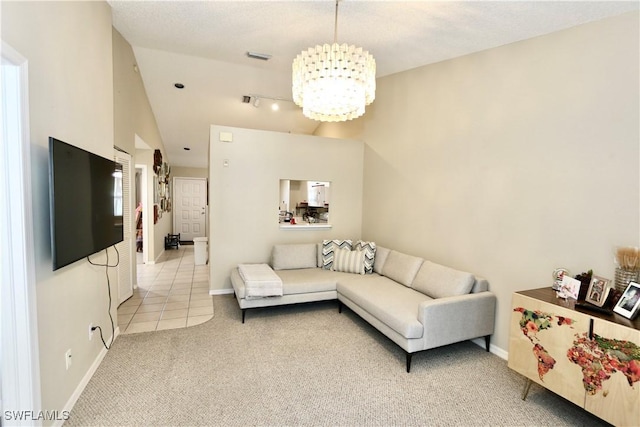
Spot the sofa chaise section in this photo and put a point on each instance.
(302, 280)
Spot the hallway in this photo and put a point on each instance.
(171, 294)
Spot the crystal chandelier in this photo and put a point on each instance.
(333, 83)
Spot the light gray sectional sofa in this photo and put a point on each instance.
(418, 304)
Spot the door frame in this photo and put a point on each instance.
(20, 369)
(145, 215)
(128, 233)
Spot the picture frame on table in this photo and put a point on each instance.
(569, 288)
(598, 291)
(629, 304)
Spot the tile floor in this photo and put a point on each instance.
(171, 294)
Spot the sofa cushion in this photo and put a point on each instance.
(319, 250)
(439, 281)
(309, 280)
(401, 267)
(381, 257)
(288, 257)
(328, 248)
(369, 249)
(394, 305)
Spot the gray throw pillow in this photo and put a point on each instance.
(369, 249)
(329, 247)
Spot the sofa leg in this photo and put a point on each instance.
(487, 342)
(409, 361)
(244, 311)
(339, 307)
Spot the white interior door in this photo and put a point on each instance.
(127, 246)
(189, 214)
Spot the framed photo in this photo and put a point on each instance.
(629, 304)
(598, 291)
(569, 288)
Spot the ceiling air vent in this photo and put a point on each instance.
(246, 99)
(256, 55)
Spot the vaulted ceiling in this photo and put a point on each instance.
(204, 45)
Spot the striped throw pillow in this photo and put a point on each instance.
(348, 261)
(329, 247)
(369, 249)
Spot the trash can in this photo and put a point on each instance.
(200, 250)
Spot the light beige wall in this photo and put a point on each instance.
(511, 162)
(243, 197)
(71, 98)
(182, 172)
(133, 115)
(351, 129)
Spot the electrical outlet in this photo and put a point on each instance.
(90, 331)
(67, 359)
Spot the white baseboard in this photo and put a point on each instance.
(492, 348)
(220, 291)
(85, 380)
(158, 257)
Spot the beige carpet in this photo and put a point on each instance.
(305, 365)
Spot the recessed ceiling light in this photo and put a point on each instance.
(187, 148)
(179, 85)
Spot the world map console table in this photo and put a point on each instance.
(590, 358)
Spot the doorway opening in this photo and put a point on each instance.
(19, 355)
(141, 220)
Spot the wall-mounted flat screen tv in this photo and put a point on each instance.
(86, 202)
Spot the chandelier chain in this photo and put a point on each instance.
(335, 25)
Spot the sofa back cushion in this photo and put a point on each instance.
(401, 267)
(289, 257)
(348, 261)
(438, 281)
(319, 250)
(480, 285)
(379, 260)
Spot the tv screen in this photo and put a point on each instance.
(86, 202)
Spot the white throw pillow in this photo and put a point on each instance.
(348, 261)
